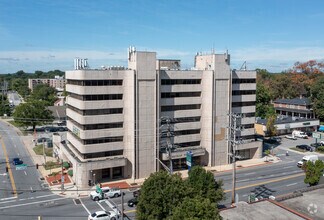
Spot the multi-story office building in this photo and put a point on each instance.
(57, 83)
(115, 116)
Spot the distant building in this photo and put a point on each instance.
(286, 124)
(297, 107)
(114, 116)
(57, 83)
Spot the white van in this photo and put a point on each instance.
(299, 134)
(307, 158)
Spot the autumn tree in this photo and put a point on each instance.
(317, 97)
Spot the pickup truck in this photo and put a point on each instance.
(107, 192)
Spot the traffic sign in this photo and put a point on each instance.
(21, 167)
(317, 135)
(189, 159)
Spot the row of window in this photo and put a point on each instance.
(179, 81)
(182, 120)
(97, 97)
(169, 108)
(107, 111)
(246, 126)
(98, 140)
(188, 144)
(238, 81)
(104, 154)
(241, 104)
(187, 132)
(244, 92)
(179, 94)
(97, 126)
(111, 82)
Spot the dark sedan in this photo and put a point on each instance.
(305, 147)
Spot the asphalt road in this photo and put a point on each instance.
(14, 98)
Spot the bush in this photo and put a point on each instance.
(66, 165)
(70, 173)
(320, 149)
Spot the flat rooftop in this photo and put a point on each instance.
(259, 210)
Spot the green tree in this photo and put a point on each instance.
(32, 114)
(313, 171)
(160, 194)
(44, 92)
(317, 96)
(202, 183)
(271, 127)
(195, 209)
(263, 98)
(21, 86)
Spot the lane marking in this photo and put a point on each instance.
(291, 184)
(14, 197)
(13, 185)
(31, 189)
(31, 203)
(100, 206)
(45, 196)
(7, 202)
(244, 180)
(85, 207)
(266, 182)
(249, 173)
(25, 173)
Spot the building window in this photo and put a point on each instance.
(242, 104)
(238, 81)
(104, 154)
(108, 111)
(97, 97)
(183, 120)
(179, 81)
(189, 144)
(169, 108)
(112, 82)
(179, 94)
(97, 126)
(243, 92)
(187, 132)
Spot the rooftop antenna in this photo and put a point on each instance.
(243, 67)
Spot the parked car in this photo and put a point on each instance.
(17, 161)
(305, 147)
(132, 202)
(290, 137)
(102, 215)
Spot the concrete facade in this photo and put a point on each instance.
(58, 83)
(114, 116)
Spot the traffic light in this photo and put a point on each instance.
(7, 169)
(89, 183)
(37, 166)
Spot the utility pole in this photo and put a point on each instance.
(168, 134)
(44, 155)
(122, 205)
(62, 177)
(233, 128)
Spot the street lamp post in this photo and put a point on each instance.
(94, 177)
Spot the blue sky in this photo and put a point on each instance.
(47, 35)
